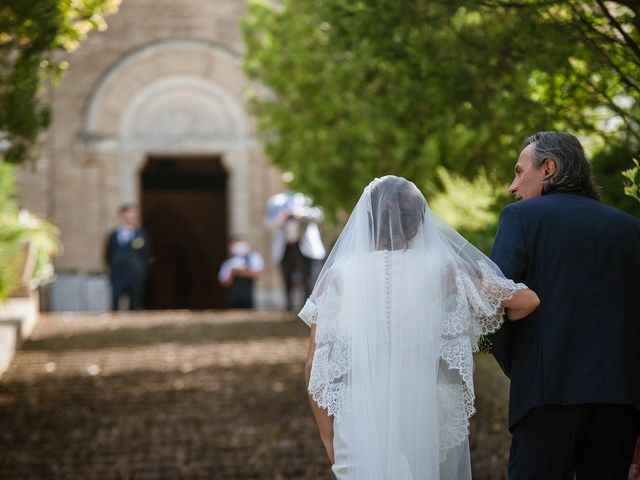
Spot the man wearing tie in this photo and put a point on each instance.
(127, 255)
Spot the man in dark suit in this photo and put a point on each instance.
(127, 255)
(574, 363)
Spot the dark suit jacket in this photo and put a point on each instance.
(582, 345)
(128, 261)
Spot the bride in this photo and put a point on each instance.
(395, 316)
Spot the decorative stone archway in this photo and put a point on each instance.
(177, 98)
(172, 97)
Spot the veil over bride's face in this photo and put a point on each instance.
(397, 211)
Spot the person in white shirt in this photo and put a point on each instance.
(239, 272)
(296, 241)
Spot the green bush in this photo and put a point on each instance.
(24, 238)
(632, 186)
(32, 36)
(607, 165)
(471, 207)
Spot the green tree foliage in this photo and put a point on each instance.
(605, 63)
(632, 187)
(469, 206)
(361, 88)
(31, 34)
(607, 165)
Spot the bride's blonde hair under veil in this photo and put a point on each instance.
(398, 308)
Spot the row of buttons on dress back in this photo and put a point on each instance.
(387, 280)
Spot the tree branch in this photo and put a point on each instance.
(625, 78)
(625, 116)
(614, 21)
(632, 4)
(582, 17)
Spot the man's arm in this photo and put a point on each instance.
(277, 212)
(509, 253)
(313, 214)
(255, 265)
(225, 274)
(253, 269)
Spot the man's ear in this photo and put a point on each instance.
(549, 166)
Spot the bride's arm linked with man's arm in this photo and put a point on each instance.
(323, 419)
(522, 304)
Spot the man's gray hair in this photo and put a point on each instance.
(573, 171)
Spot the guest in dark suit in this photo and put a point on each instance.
(127, 255)
(574, 363)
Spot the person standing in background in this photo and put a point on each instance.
(296, 241)
(239, 272)
(127, 255)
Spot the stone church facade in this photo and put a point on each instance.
(152, 111)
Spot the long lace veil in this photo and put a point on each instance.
(398, 308)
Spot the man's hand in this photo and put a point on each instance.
(245, 272)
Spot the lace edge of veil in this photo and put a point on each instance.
(478, 311)
(330, 362)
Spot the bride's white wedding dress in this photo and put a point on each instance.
(398, 309)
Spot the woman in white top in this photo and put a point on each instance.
(395, 316)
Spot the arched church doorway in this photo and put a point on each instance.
(184, 210)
